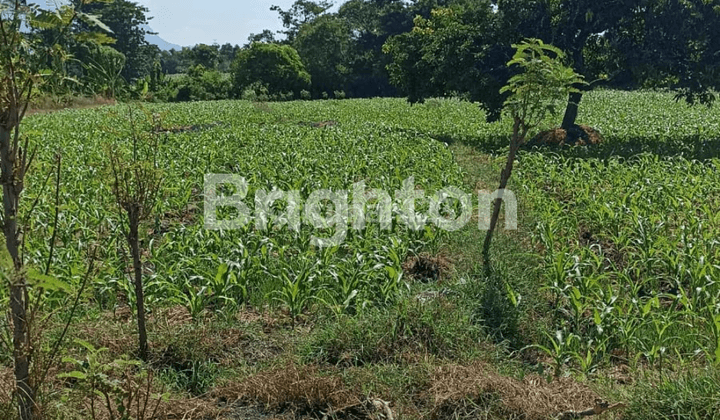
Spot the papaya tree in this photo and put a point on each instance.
(534, 93)
(18, 83)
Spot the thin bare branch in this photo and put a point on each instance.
(57, 212)
(56, 346)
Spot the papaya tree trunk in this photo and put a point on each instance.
(133, 242)
(519, 132)
(12, 173)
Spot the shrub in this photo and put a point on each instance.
(255, 92)
(199, 84)
(339, 94)
(278, 67)
(305, 95)
(215, 84)
(249, 94)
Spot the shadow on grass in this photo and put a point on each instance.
(500, 316)
(488, 144)
(689, 147)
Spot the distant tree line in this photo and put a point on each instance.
(415, 48)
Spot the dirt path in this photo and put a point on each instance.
(76, 103)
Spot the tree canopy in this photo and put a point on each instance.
(277, 67)
(453, 52)
(324, 46)
(128, 22)
(420, 48)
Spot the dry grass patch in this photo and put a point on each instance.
(7, 384)
(48, 104)
(299, 390)
(470, 391)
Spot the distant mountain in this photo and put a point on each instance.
(161, 43)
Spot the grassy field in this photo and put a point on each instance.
(608, 289)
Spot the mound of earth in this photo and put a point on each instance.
(577, 135)
(426, 268)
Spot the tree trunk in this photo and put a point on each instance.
(133, 240)
(12, 188)
(517, 139)
(571, 111)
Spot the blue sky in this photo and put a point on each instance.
(210, 21)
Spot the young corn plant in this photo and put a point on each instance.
(227, 287)
(297, 286)
(713, 317)
(136, 181)
(563, 348)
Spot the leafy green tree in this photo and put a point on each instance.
(176, 62)
(299, 14)
(278, 67)
(205, 55)
(324, 46)
(198, 84)
(170, 61)
(372, 22)
(128, 22)
(226, 55)
(267, 36)
(18, 83)
(455, 51)
(570, 25)
(676, 44)
(478, 36)
(367, 24)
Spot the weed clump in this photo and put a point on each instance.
(409, 331)
(688, 396)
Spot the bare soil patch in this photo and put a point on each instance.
(614, 259)
(426, 268)
(47, 105)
